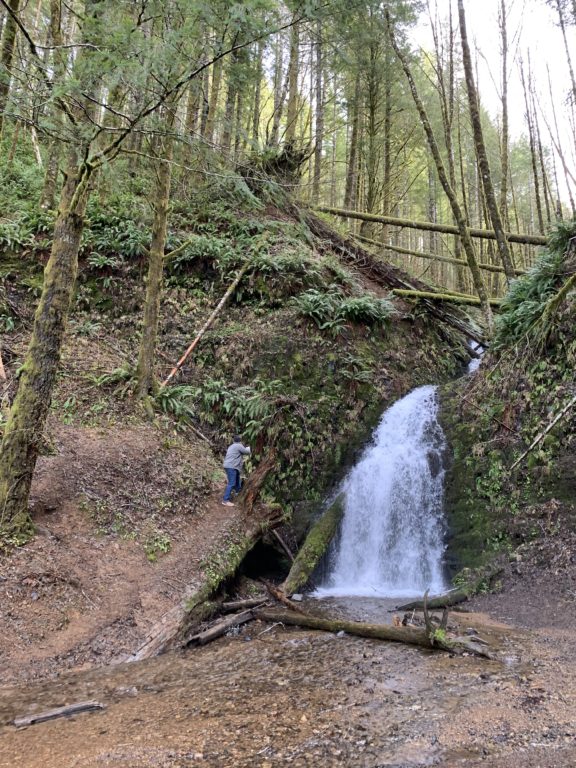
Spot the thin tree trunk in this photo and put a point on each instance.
(350, 192)
(532, 150)
(146, 380)
(319, 138)
(213, 103)
(293, 70)
(257, 96)
(473, 102)
(6, 57)
(505, 136)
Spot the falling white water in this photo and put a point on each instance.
(391, 542)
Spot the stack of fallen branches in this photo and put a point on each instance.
(435, 633)
(387, 275)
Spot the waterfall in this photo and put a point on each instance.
(392, 537)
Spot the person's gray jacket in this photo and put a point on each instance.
(235, 456)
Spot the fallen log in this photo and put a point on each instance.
(233, 606)
(52, 714)
(396, 634)
(454, 298)
(453, 597)
(435, 257)
(479, 579)
(315, 545)
(175, 626)
(431, 226)
(220, 628)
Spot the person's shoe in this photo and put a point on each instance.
(228, 504)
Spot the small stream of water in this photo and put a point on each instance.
(392, 537)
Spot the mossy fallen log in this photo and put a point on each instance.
(454, 298)
(478, 580)
(434, 257)
(175, 627)
(315, 545)
(431, 226)
(425, 638)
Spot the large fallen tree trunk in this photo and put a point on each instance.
(434, 257)
(430, 226)
(176, 625)
(398, 634)
(315, 545)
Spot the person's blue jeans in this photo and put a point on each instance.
(234, 483)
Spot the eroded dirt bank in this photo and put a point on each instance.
(275, 697)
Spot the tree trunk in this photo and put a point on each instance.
(257, 96)
(319, 138)
(352, 168)
(505, 135)
(146, 380)
(213, 103)
(480, 146)
(532, 151)
(25, 426)
(316, 543)
(6, 56)
(293, 71)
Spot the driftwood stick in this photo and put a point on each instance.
(52, 714)
(283, 544)
(233, 606)
(279, 595)
(207, 324)
(220, 628)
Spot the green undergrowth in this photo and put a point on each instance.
(303, 359)
(494, 417)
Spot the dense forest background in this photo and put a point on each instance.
(123, 124)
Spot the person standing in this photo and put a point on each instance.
(233, 463)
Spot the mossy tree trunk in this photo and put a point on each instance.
(146, 381)
(7, 55)
(25, 426)
(316, 543)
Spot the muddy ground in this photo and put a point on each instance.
(278, 696)
(281, 696)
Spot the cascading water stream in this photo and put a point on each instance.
(392, 537)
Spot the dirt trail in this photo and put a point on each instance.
(85, 591)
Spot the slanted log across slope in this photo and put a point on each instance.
(175, 626)
(315, 545)
(447, 229)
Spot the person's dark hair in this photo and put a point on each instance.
(237, 438)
